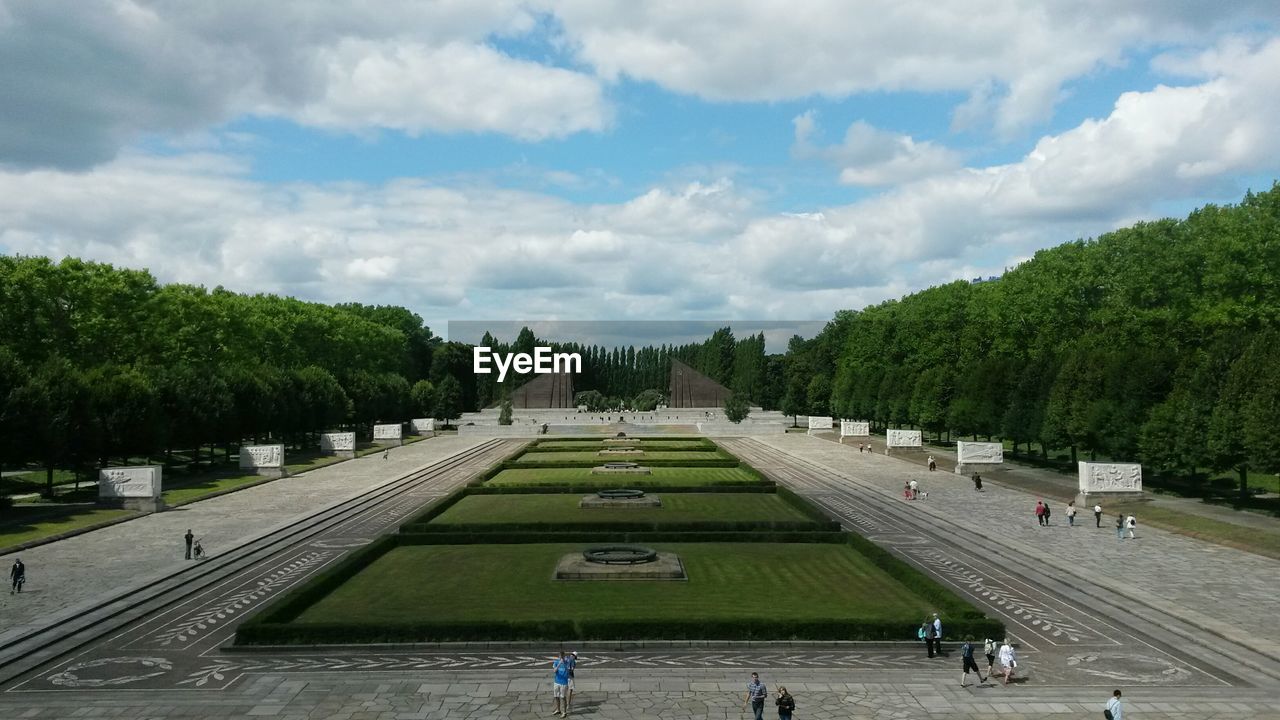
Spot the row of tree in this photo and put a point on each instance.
(99, 363)
(638, 378)
(1155, 343)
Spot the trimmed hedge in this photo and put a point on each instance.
(745, 629)
(571, 536)
(626, 527)
(726, 462)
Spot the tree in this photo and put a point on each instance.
(647, 400)
(593, 400)
(55, 403)
(736, 408)
(819, 395)
(449, 399)
(422, 398)
(504, 415)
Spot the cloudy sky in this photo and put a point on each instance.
(612, 159)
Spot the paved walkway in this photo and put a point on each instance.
(635, 695)
(1234, 592)
(70, 572)
(1064, 487)
(1070, 661)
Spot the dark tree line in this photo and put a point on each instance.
(637, 378)
(99, 363)
(1155, 343)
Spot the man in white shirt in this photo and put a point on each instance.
(1097, 514)
(1115, 711)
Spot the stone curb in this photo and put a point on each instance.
(590, 645)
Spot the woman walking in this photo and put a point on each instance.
(786, 704)
(1008, 661)
(1119, 527)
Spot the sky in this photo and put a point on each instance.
(618, 160)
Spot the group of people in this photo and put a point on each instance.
(1123, 522)
(1004, 652)
(911, 491)
(758, 694)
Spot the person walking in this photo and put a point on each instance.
(386, 453)
(989, 649)
(573, 667)
(977, 482)
(756, 694)
(1119, 527)
(786, 704)
(966, 657)
(1130, 523)
(1114, 709)
(1097, 514)
(927, 629)
(915, 490)
(906, 491)
(560, 685)
(188, 537)
(1071, 514)
(1008, 661)
(937, 634)
(17, 576)
(1047, 513)
(932, 464)
(1040, 513)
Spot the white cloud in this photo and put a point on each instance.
(453, 88)
(872, 157)
(774, 50)
(84, 78)
(692, 249)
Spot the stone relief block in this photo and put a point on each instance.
(904, 438)
(1110, 477)
(979, 452)
(261, 456)
(130, 482)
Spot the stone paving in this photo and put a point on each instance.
(70, 572)
(1232, 591)
(696, 683)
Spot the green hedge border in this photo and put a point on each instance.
(272, 626)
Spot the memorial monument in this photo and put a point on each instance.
(692, 389)
(265, 460)
(391, 434)
(342, 444)
(132, 488)
(902, 438)
(972, 456)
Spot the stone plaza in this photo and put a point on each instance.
(115, 624)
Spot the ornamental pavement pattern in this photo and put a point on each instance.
(167, 656)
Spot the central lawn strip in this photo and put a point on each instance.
(570, 477)
(563, 509)
(727, 582)
(671, 456)
(647, 444)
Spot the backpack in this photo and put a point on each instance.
(989, 648)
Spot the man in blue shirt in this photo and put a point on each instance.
(756, 694)
(560, 685)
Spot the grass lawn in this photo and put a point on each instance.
(1241, 537)
(563, 509)
(675, 444)
(494, 583)
(23, 523)
(660, 476)
(590, 456)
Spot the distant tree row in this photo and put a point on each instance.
(1155, 343)
(98, 363)
(637, 378)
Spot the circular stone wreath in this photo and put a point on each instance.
(619, 554)
(619, 494)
